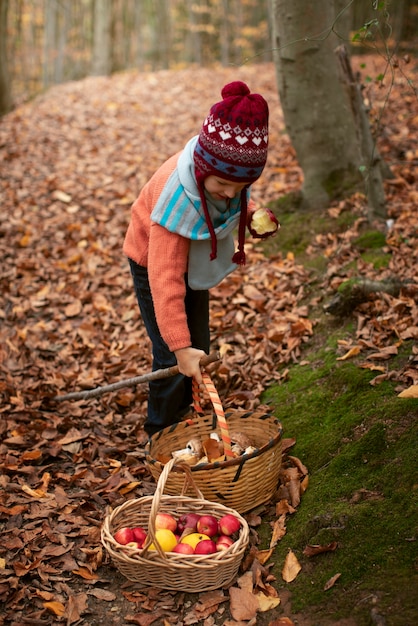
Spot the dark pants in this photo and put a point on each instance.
(169, 398)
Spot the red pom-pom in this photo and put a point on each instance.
(237, 88)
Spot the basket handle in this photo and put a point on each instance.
(218, 408)
(156, 501)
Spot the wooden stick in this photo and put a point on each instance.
(156, 375)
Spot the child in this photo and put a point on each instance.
(180, 240)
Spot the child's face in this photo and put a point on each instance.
(221, 189)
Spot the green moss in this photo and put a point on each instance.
(342, 182)
(371, 239)
(359, 443)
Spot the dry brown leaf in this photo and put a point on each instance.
(317, 549)
(264, 555)
(282, 621)
(283, 507)
(291, 567)
(57, 608)
(245, 582)
(298, 463)
(410, 392)
(294, 491)
(73, 309)
(331, 582)
(76, 606)
(243, 604)
(266, 603)
(354, 351)
(279, 530)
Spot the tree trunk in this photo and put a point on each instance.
(5, 90)
(101, 64)
(316, 104)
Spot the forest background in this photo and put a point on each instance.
(45, 42)
(73, 156)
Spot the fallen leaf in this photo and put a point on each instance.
(291, 567)
(266, 603)
(354, 351)
(279, 530)
(410, 392)
(264, 555)
(317, 549)
(243, 604)
(57, 608)
(102, 594)
(331, 582)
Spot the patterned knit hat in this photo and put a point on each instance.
(232, 144)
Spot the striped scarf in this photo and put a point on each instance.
(179, 207)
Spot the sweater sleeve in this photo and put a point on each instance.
(167, 265)
(165, 255)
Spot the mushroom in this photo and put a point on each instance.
(239, 443)
(191, 453)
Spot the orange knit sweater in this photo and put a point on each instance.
(165, 254)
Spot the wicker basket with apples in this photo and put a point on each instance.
(178, 543)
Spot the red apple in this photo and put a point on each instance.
(229, 524)
(206, 546)
(124, 535)
(165, 521)
(139, 535)
(224, 542)
(183, 548)
(188, 520)
(262, 223)
(208, 525)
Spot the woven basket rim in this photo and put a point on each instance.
(240, 460)
(171, 558)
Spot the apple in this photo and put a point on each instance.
(183, 548)
(206, 546)
(262, 223)
(188, 520)
(124, 535)
(229, 524)
(208, 525)
(224, 542)
(193, 539)
(139, 535)
(165, 521)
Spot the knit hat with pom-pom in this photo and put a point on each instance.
(232, 145)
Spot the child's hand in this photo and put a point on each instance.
(188, 361)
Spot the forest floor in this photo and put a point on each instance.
(343, 386)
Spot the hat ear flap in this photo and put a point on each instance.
(214, 242)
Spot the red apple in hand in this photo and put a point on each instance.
(124, 535)
(189, 521)
(208, 525)
(206, 546)
(165, 521)
(262, 223)
(229, 524)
